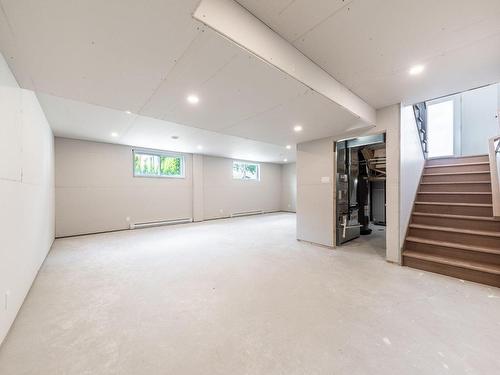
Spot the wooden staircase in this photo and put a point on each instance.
(452, 230)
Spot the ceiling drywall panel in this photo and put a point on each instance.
(293, 18)
(201, 61)
(233, 21)
(111, 53)
(369, 46)
(232, 85)
(92, 61)
(277, 124)
(73, 119)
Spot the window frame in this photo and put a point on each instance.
(159, 154)
(246, 163)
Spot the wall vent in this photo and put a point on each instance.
(150, 224)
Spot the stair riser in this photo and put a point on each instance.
(461, 273)
(457, 223)
(459, 168)
(453, 253)
(457, 177)
(455, 198)
(459, 238)
(457, 187)
(455, 210)
(471, 159)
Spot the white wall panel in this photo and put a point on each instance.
(411, 166)
(315, 192)
(26, 194)
(289, 187)
(10, 130)
(224, 195)
(479, 119)
(96, 190)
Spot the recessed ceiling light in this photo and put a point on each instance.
(297, 128)
(193, 99)
(128, 112)
(288, 147)
(175, 137)
(199, 147)
(416, 69)
(114, 134)
(285, 160)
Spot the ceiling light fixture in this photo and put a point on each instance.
(288, 147)
(193, 99)
(114, 134)
(199, 147)
(297, 128)
(128, 112)
(416, 69)
(285, 160)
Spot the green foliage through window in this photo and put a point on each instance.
(246, 171)
(158, 165)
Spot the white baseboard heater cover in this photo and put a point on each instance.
(160, 223)
(246, 213)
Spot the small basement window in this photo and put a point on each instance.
(246, 171)
(157, 164)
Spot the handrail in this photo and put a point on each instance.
(420, 115)
(494, 156)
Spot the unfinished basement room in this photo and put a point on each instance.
(258, 187)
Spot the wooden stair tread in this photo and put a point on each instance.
(476, 266)
(457, 165)
(456, 230)
(450, 216)
(455, 182)
(453, 245)
(456, 173)
(459, 238)
(456, 192)
(455, 204)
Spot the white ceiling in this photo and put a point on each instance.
(92, 60)
(75, 119)
(369, 46)
(146, 57)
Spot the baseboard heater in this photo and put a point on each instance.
(160, 223)
(246, 213)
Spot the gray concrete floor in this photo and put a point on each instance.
(242, 296)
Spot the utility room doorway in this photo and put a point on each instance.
(360, 203)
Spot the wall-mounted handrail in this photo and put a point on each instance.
(420, 113)
(494, 155)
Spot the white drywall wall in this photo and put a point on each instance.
(96, 190)
(315, 215)
(388, 121)
(26, 194)
(479, 122)
(198, 208)
(411, 166)
(315, 211)
(224, 195)
(288, 187)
